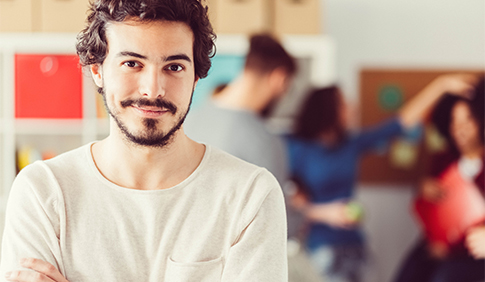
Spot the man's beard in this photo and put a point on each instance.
(149, 137)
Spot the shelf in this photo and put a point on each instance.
(48, 126)
(39, 43)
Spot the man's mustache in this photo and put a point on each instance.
(159, 103)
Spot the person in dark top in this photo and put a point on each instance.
(324, 160)
(461, 122)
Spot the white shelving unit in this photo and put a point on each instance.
(57, 134)
(66, 134)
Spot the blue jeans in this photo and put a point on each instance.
(340, 263)
(419, 266)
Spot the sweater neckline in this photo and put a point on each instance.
(108, 183)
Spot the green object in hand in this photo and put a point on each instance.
(355, 211)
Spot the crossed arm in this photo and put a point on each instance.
(262, 239)
(42, 272)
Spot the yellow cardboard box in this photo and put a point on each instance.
(241, 16)
(297, 16)
(63, 15)
(16, 15)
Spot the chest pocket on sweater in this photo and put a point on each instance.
(206, 271)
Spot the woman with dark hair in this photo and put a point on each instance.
(324, 159)
(461, 122)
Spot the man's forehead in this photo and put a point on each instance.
(149, 36)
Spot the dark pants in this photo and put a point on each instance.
(340, 263)
(419, 266)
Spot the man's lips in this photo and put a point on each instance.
(150, 110)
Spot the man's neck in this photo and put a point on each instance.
(147, 168)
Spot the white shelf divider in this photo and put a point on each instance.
(8, 149)
(48, 126)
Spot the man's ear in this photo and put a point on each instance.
(195, 81)
(97, 73)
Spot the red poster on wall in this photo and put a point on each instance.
(48, 86)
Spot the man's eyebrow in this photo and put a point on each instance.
(130, 54)
(178, 57)
(166, 59)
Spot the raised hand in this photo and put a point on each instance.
(457, 84)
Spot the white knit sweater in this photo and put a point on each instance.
(225, 222)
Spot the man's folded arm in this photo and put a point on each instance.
(32, 222)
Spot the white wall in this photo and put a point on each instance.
(400, 33)
(389, 227)
(404, 33)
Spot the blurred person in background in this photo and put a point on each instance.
(324, 158)
(231, 120)
(461, 122)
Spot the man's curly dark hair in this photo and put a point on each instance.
(92, 45)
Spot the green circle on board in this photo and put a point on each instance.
(390, 97)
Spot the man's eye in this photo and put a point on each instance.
(131, 64)
(175, 68)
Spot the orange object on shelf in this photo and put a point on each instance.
(48, 86)
(48, 155)
(448, 220)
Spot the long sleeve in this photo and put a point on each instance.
(374, 136)
(259, 254)
(32, 223)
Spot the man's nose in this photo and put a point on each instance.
(152, 84)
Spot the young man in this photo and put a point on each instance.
(147, 203)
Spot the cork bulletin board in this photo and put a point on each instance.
(405, 159)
